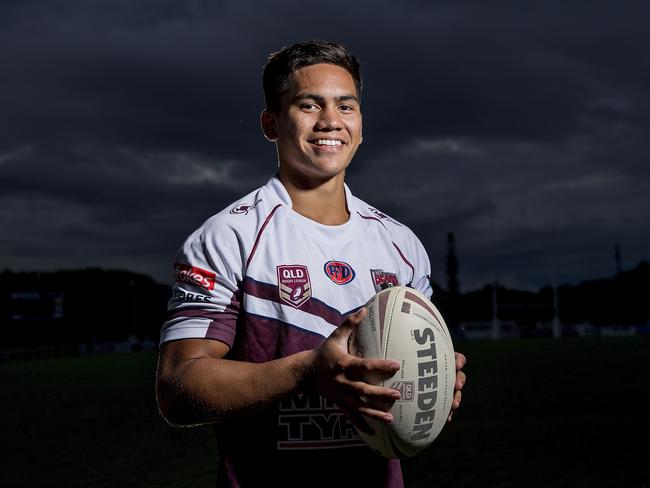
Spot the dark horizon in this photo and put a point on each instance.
(523, 130)
(50, 309)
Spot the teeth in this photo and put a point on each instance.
(328, 142)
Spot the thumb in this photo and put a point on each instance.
(353, 320)
(348, 329)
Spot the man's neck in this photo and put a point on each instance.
(323, 202)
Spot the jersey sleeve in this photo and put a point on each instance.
(206, 298)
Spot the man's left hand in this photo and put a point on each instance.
(461, 360)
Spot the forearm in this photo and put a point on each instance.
(206, 389)
(195, 385)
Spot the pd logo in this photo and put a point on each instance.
(294, 285)
(339, 272)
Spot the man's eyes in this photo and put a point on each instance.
(312, 107)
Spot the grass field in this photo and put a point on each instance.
(536, 413)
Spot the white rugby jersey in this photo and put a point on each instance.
(269, 282)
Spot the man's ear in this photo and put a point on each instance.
(267, 120)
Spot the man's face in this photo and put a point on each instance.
(318, 127)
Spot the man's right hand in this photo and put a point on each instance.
(343, 377)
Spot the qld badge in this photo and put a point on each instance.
(294, 285)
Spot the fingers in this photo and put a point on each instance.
(357, 419)
(455, 403)
(365, 366)
(362, 407)
(461, 360)
(372, 394)
(378, 396)
(457, 398)
(359, 397)
(460, 380)
(357, 408)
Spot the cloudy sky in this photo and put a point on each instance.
(523, 127)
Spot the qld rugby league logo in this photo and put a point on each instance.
(294, 284)
(406, 389)
(339, 272)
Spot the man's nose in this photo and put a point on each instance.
(328, 119)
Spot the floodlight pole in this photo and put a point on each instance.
(496, 325)
(556, 325)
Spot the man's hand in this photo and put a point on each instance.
(344, 378)
(461, 360)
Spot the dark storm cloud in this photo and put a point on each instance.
(515, 206)
(80, 76)
(521, 127)
(117, 204)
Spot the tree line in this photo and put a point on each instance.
(94, 305)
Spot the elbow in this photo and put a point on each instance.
(178, 407)
(169, 397)
(165, 401)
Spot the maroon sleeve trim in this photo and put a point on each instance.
(221, 332)
(224, 326)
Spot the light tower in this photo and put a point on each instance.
(496, 324)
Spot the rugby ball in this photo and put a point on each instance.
(402, 324)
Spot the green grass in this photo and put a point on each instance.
(544, 413)
(535, 413)
(93, 421)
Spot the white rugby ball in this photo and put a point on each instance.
(402, 324)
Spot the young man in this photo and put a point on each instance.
(269, 290)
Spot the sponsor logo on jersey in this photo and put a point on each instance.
(314, 422)
(190, 297)
(194, 276)
(339, 272)
(294, 285)
(244, 208)
(383, 216)
(382, 279)
(406, 389)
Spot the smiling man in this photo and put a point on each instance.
(269, 290)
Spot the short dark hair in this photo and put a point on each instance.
(281, 65)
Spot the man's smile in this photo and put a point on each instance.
(330, 145)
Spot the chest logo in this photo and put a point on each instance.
(339, 272)
(294, 285)
(382, 279)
